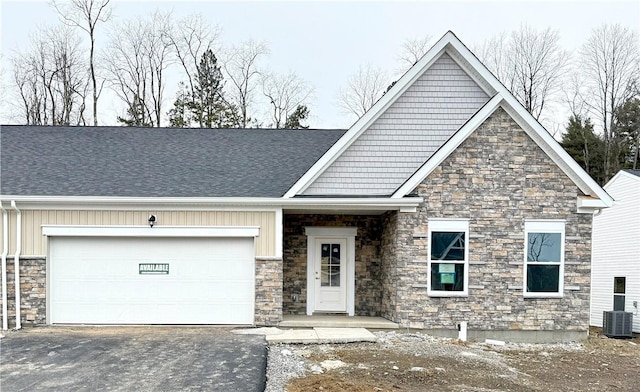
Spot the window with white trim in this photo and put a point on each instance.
(544, 258)
(448, 258)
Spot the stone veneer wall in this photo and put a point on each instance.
(268, 306)
(497, 178)
(268, 296)
(388, 262)
(33, 298)
(367, 268)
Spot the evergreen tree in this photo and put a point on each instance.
(179, 115)
(295, 119)
(626, 133)
(208, 106)
(585, 147)
(136, 115)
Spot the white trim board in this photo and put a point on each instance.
(146, 231)
(211, 204)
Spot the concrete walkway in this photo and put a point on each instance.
(321, 335)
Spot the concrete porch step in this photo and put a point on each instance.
(336, 321)
(321, 335)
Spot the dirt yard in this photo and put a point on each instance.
(416, 362)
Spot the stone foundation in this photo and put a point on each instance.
(368, 291)
(33, 298)
(515, 335)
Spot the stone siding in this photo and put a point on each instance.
(368, 293)
(268, 306)
(33, 293)
(388, 262)
(268, 296)
(497, 179)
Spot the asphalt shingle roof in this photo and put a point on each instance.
(156, 162)
(634, 172)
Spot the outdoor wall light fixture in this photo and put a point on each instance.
(152, 220)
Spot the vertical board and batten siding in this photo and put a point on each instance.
(34, 243)
(12, 233)
(616, 235)
(426, 115)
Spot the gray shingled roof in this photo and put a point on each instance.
(150, 162)
(634, 172)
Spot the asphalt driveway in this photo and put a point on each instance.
(131, 359)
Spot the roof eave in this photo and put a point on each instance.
(407, 204)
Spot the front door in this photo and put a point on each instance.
(330, 275)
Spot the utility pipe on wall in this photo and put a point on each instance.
(5, 252)
(16, 261)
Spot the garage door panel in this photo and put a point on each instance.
(134, 313)
(98, 280)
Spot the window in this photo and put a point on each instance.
(448, 258)
(330, 265)
(619, 289)
(544, 258)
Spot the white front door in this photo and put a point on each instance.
(330, 274)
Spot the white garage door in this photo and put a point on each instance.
(119, 280)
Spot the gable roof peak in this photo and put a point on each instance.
(501, 96)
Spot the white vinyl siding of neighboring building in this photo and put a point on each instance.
(616, 249)
(406, 134)
(34, 243)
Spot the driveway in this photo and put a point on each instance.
(131, 359)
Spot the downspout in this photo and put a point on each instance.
(5, 252)
(16, 261)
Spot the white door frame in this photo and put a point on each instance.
(345, 233)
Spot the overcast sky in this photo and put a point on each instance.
(325, 42)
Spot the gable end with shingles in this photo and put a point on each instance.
(398, 142)
(367, 160)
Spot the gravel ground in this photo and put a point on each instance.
(412, 361)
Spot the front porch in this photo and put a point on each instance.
(333, 267)
(335, 321)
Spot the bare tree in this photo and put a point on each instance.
(159, 58)
(29, 90)
(284, 93)
(495, 54)
(530, 63)
(610, 63)
(539, 65)
(412, 51)
(5, 102)
(138, 54)
(86, 14)
(50, 77)
(363, 90)
(242, 68)
(190, 38)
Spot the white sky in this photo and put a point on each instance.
(325, 42)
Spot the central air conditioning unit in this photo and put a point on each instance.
(617, 324)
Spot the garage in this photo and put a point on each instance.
(150, 275)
